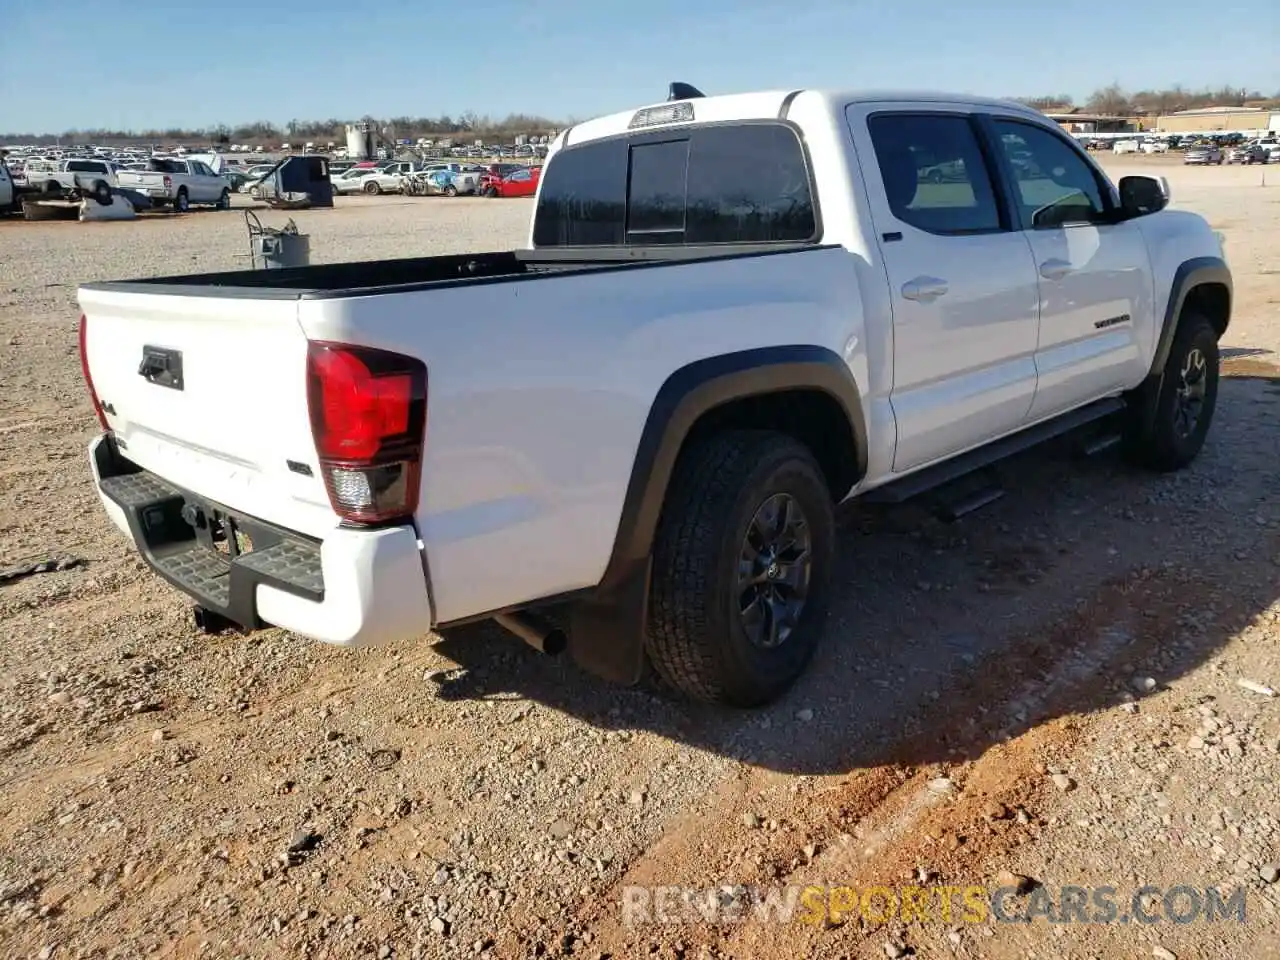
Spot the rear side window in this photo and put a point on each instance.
(934, 174)
(706, 185)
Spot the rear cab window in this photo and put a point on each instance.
(740, 183)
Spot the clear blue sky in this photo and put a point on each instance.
(150, 63)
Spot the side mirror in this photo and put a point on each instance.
(1140, 195)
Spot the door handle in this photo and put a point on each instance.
(924, 289)
(1055, 269)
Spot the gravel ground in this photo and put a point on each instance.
(1050, 688)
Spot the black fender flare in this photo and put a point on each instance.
(607, 624)
(1189, 275)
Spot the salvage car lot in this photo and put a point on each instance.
(265, 796)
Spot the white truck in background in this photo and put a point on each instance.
(94, 177)
(182, 182)
(8, 189)
(733, 313)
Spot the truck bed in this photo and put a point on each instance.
(206, 378)
(320, 281)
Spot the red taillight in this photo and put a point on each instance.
(368, 417)
(168, 182)
(88, 377)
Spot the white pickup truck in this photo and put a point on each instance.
(96, 177)
(9, 191)
(733, 313)
(179, 182)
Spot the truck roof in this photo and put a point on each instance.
(768, 104)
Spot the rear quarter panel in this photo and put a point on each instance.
(539, 389)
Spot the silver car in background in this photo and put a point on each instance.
(1203, 154)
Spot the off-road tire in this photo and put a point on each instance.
(1153, 439)
(696, 642)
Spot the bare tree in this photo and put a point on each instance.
(1110, 101)
(1050, 103)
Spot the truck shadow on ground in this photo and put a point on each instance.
(1088, 580)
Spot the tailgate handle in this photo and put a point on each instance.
(161, 366)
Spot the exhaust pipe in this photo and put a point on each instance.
(538, 633)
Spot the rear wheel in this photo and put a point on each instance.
(182, 203)
(742, 562)
(1169, 429)
(224, 201)
(372, 188)
(101, 191)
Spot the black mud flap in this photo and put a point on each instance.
(607, 632)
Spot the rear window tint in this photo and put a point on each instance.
(747, 183)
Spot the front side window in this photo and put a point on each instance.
(730, 184)
(935, 177)
(1054, 185)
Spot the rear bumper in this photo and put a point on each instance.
(354, 588)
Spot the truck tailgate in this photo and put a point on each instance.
(137, 178)
(209, 393)
(148, 181)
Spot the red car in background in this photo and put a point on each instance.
(517, 183)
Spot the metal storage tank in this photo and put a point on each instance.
(360, 141)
